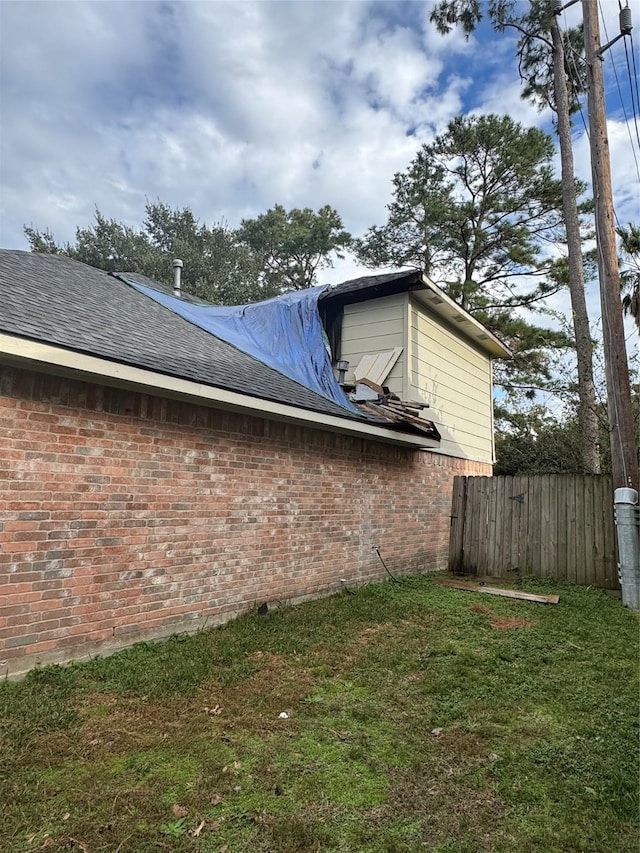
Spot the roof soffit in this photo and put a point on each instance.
(425, 291)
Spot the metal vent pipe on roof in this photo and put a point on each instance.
(177, 277)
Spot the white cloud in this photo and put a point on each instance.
(226, 107)
(231, 107)
(502, 95)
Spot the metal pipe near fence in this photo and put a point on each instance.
(627, 514)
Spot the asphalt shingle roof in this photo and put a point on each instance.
(60, 301)
(371, 285)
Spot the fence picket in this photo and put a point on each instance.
(496, 521)
(456, 533)
(589, 532)
(522, 488)
(608, 525)
(580, 552)
(558, 526)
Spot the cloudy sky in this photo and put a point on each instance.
(232, 107)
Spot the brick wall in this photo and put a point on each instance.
(125, 516)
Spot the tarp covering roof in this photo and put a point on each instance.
(284, 333)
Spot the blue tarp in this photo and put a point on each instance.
(284, 333)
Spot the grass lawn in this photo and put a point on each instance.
(419, 718)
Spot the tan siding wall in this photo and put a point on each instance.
(376, 326)
(454, 377)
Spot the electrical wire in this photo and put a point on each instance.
(393, 578)
(571, 54)
(585, 123)
(622, 104)
(632, 77)
(606, 320)
(572, 78)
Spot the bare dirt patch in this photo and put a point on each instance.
(428, 791)
(482, 608)
(502, 623)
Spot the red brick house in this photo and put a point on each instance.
(156, 479)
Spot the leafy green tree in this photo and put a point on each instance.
(529, 440)
(42, 241)
(473, 209)
(533, 22)
(216, 266)
(276, 252)
(533, 442)
(552, 68)
(293, 245)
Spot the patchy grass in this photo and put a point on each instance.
(419, 718)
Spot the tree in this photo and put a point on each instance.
(216, 266)
(107, 244)
(535, 48)
(550, 81)
(294, 244)
(473, 209)
(276, 252)
(630, 270)
(534, 442)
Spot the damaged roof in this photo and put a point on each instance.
(57, 300)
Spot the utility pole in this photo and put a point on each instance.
(587, 414)
(624, 452)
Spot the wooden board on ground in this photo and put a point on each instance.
(493, 590)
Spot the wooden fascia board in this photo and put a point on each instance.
(442, 305)
(47, 358)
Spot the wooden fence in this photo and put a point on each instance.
(558, 526)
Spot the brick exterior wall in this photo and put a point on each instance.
(125, 516)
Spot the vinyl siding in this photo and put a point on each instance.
(374, 326)
(454, 378)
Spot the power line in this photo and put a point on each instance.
(571, 52)
(576, 95)
(624, 460)
(573, 78)
(622, 104)
(636, 105)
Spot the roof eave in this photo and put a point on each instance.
(59, 361)
(427, 292)
(442, 305)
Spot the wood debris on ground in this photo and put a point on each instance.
(492, 590)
